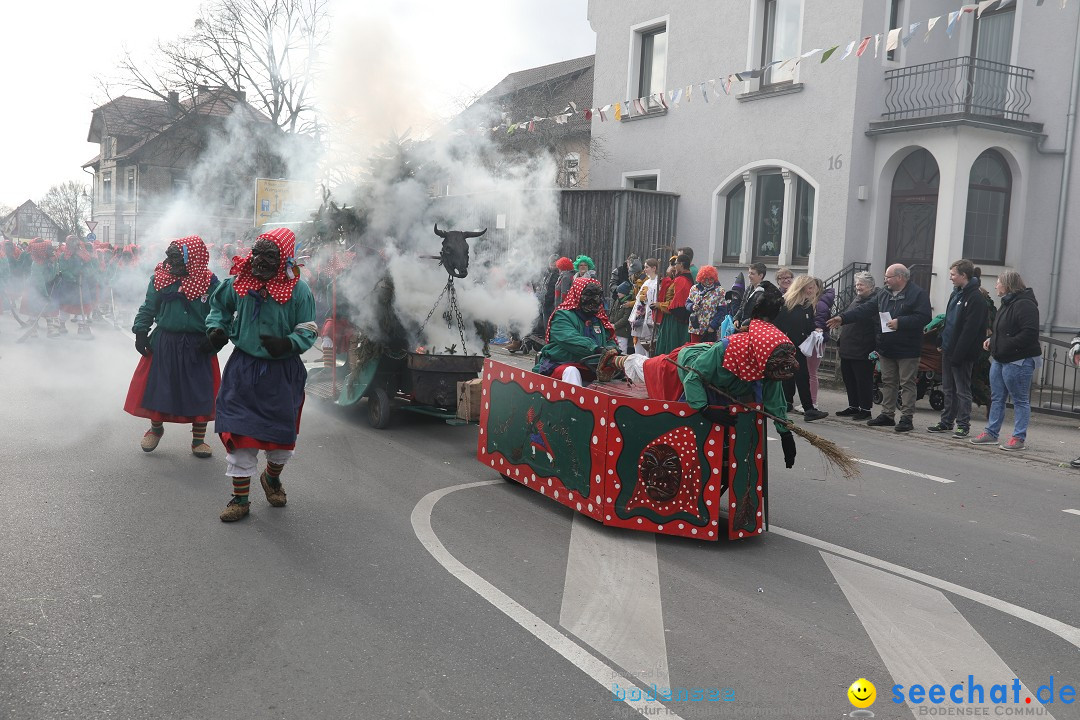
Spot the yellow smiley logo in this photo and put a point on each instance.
(862, 693)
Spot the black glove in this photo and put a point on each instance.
(276, 346)
(142, 343)
(215, 340)
(718, 416)
(787, 440)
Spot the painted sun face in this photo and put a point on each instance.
(661, 472)
(862, 693)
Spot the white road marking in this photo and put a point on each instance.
(923, 639)
(905, 471)
(611, 598)
(895, 468)
(588, 663)
(1066, 632)
(1074, 512)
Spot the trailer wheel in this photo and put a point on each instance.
(937, 399)
(878, 397)
(379, 408)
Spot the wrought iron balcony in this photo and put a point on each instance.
(964, 90)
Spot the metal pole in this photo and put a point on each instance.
(1063, 194)
(333, 311)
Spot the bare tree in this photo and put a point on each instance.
(67, 204)
(268, 49)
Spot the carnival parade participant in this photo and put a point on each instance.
(177, 377)
(674, 317)
(577, 332)
(37, 298)
(74, 293)
(268, 313)
(748, 366)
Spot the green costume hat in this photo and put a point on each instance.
(585, 259)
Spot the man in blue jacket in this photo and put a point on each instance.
(899, 342)
(962, 339)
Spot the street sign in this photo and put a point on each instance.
(282, 197)
(91, 237)
(91, 225)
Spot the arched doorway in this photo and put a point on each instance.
(913, 216)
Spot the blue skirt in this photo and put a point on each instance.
(177, 383)
(261, 398)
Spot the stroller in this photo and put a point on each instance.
(928, 377)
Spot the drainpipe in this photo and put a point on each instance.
(1063, 194)
(92, 191)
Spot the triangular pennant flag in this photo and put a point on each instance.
(951, 26)
(984, 4)
(727, 83)
(662, 101)
(1005, 3)
(689, 93)
(893, 40)
(930, 27)
(712, 86)
(911, 33)
(589, 114)
(877, 43)
(678, 96)
(603, 112)
(969, 8)
(810, 53)
(618, 111)
(828, 53)
(862, 46)
(573, 105)
(704, 92)
(532, 126)
(848, 49)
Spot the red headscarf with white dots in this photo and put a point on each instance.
(748, 351)
(196, 257)
(280, 287)
(573, 302)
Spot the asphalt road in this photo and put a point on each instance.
(123, 596)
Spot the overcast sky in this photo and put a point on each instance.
(432, 53)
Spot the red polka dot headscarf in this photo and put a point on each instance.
(748, 351)
(573, 302)
(196, 257)
(280, 287)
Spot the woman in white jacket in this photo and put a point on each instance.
(641, 318)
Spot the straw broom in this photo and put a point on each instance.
(832, 452)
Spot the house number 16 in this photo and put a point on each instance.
(836, 162)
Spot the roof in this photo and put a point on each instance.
(147, 119)
(543, 92)
(538, 75)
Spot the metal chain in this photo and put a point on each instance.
(451, 314)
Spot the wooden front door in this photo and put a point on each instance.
(913, 216)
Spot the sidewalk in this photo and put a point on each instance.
(1051, 439)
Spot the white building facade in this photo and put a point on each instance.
(946, 147)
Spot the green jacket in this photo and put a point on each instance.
(173, 315)
(237, 317)
(708, 359)
(573, 338)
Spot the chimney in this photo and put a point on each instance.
(241, 96)
(202, 89)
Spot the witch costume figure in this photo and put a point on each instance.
(748, 367)
(177, 377)
(579, 335)
(268, 313)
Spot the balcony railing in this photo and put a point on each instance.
(964, 87)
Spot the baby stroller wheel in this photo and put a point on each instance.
(937, 399)
(878, 397)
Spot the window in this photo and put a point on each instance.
(131, 184)
(779, 39)
(571, 164)
(646, 182)
(653, 64)
(106, 187)
(180, 185)
(769, 216)
(733, 226)
(804, 221)
(989, 192)
(105, 234)
(895, 16)
(108, 147)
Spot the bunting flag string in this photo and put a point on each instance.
(671, 99)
